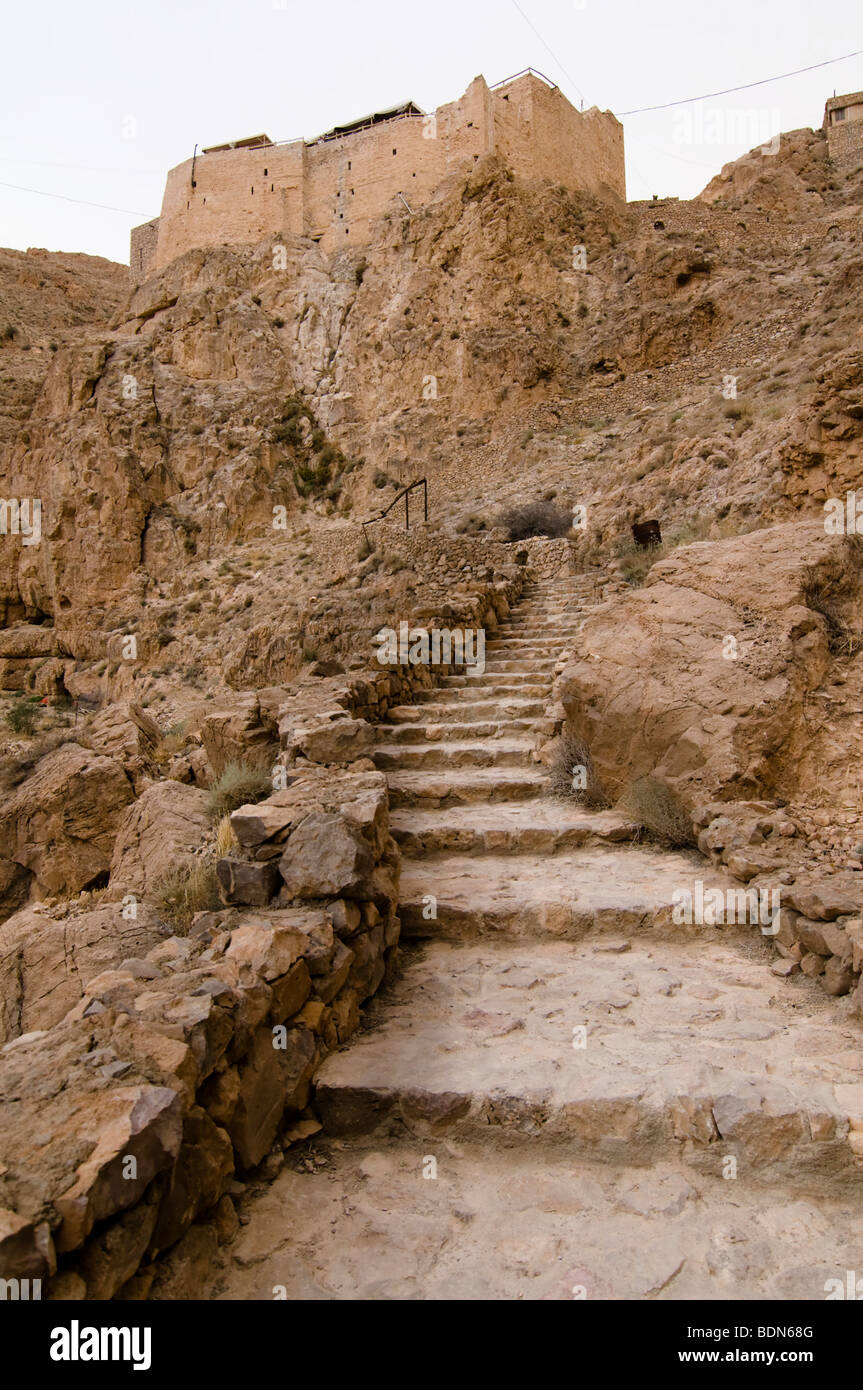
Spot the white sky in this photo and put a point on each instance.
(100, 98)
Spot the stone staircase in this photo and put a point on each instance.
(565, 1094)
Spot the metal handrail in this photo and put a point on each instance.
(419, 482)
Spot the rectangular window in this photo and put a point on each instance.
(839, 115)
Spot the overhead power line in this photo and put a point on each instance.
(106, 207)
(685, 101)
(566, 74)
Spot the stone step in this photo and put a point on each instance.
(524, 674)
(593, 889)
(464, 708)
(429, 788)
(523, 827)
(366, 1222)
(564, 612)
(521, 619)
(500, 664)
(490, 689)
(560, 642)
(501, 752)
(665, 1051)
(538, 629)
(449, 730)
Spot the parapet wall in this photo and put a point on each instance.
(332, 189)
(843, 123)
(143, 244)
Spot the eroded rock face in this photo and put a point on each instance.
(158, 833)
(61, 822)
(729, 644)
(126, 732)
(45, 963)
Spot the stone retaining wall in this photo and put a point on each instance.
(122, 1127)
(128, 1121)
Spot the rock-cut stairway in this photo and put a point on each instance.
(564, 1094)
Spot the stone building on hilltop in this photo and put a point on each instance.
(843, 124)
(333, 187)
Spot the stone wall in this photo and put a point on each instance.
(333, 189)
(143, 242)
(124, 1123)
(843, 124)
(128, 1120)
(471, 557)
(540, 135)
(845, 143)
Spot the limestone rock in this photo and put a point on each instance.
(157, 834)
(333, 741)
(142, 1123)
(61, 822)
(326, 857)
(245, 883)
(44, 962)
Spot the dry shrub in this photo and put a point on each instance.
(571, 753)
(832, 589)
(660, 811)
(535, 519)
(226, 840)
(169, 745)
(183, 891)
(238, 785)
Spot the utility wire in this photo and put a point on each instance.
(88, 168)
(685, 101)
(106, 207)
(567, 75)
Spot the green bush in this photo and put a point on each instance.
(23, 717)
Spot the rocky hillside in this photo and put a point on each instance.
(191, 633)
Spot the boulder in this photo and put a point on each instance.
(337, 740)
(326, 857)
(44, 962)
(160, 832)
(61, 822)
(266, 948)
(704, 721)
(242, 732)
(142, 1123)
(125, 732)
(824, 901)
(244, 883)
